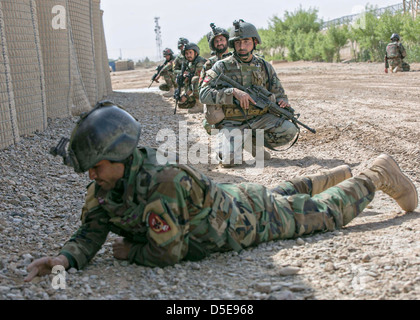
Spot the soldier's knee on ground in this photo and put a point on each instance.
(164, 87)
(282, 135)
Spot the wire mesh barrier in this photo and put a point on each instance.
(53, 63)
(26, 68)
(56, 57)
(9, 133)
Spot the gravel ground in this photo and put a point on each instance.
(377, 256)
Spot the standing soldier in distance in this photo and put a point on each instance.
(171, 212)
(395, 53)
(190, 98)
(168, 74)
(247, 69)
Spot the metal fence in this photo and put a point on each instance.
(354, 17)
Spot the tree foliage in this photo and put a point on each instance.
(298, 35)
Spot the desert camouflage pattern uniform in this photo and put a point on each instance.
(168, 75)
(278, 131)
(172, 212)
(395, 53)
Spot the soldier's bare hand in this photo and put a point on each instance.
(386, 70)
(157, 79)
(243, 98)
(43, 266)
(121, 248)
(283, 104)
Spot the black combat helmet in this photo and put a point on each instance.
(216, 31)
(192, 46)
(168, 52)
(395, 36)
(242, 30)
(182, 42)
(107, 132)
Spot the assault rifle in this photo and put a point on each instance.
(180, 85)
(261, 96)
(158, 70)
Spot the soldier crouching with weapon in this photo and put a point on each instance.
(258, 102)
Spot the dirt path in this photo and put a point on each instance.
(358, 112)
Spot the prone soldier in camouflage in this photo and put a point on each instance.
(247, 69)
(167, 74)
(218, 42)
(167, 213)
(190, 98)
(395, 53)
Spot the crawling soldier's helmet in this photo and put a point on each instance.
(242, 30)
(107, 132)
(216, 31)
(395, 36)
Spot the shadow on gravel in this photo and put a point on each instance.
(307, 162)
(377, 225)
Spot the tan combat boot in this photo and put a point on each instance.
(387, 176)
(329, 178)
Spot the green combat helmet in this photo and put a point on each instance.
(242, 30)
(192, 46)
(395, 36)
(168, 52)
(216, 31)
(182, 42)
(107, 132)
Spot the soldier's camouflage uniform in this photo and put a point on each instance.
(395, 53)
(207, 66)
(179, 60)
(192, 82)
(168, 75)
(172, 212)
(278, 131)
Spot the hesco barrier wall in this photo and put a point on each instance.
(9, 132)
(53, 63)
(26, 66)
(81, 19)
(54, 37)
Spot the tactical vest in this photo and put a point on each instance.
(254, 73)
(393, 50)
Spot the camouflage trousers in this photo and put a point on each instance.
(277, 132)
(170, 81)
(396, 64)
(289, 210)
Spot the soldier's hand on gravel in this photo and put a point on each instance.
(121, 248)
(43, 266)
(386, 70)
(243, 97)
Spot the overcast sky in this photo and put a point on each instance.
(130, 24)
